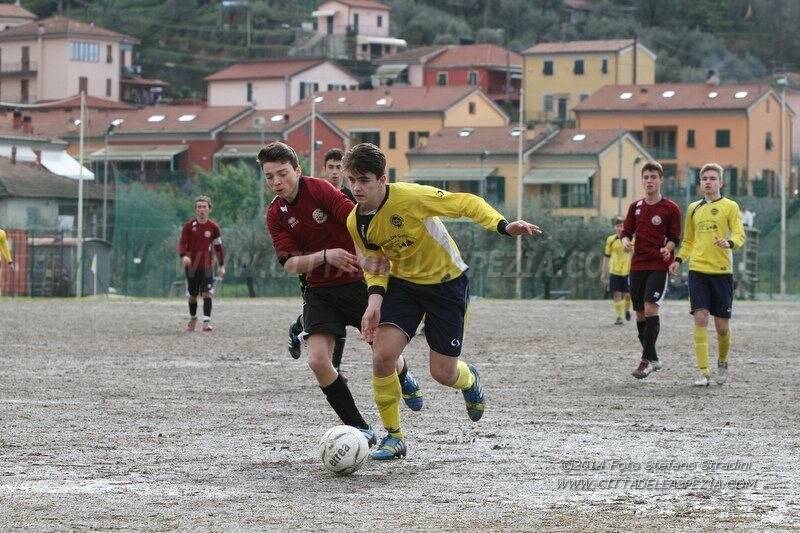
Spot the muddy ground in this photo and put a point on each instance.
(112, 418)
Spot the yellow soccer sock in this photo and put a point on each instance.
(701, 348)
(465, 378)
(387, 393)
(627, 302)
(618, 307)
(724, 346)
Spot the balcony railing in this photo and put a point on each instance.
(662, 153)
(18, 68)
(18, 98)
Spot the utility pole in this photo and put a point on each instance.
(520, 185)
(79, 281)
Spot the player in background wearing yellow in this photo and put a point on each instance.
(712, 230)
(400, 221)
(616, 266)
(5, 250)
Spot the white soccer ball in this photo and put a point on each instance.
(343, 449)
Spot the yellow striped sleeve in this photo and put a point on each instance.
(437, 202)
(736, 226)
(688, 233)
(5, 251)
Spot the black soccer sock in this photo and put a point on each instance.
(640, 326)
(338, 395)
(297, 327)
(207, 307)
(402, 375)
(651, 329)
(338, 350)
(193, 309)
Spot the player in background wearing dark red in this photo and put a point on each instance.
(198, 237)
(656, 223)
(306, 221)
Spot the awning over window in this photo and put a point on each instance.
(136, 152)
(551, 176)
(63, 164)
(249, 151)
(448, 174)
(24, 154)
(323, 13)
(390, 71)
(391, 41)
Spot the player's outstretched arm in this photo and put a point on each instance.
(521, 227)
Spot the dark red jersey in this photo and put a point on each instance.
(652, 226)
(197, 240)
(314, 221)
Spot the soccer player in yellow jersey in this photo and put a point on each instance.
(400, 222)
(616, 267)
(5, 251)
(713, 228)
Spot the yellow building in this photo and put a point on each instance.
(685, 125)
(570, 172)
(398, 119)
(558, 76)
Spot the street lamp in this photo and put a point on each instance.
(109, 132)
(782, 82)
(314, 101)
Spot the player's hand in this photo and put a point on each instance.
(342, 259)
(604, 280)
(372, 265)
(666, 253)
(722, 243)
(221, 271)
(520, 227)
(186, 260)
(674, 268)
(627, 244)
(371, 318)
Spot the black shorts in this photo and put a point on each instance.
(331, 309)
(199, 280)
(647, 286)
(713, 292)
(444, 306)
(617, 283)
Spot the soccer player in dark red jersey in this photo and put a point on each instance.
(307, 222)
(656, 223)
(198, 237)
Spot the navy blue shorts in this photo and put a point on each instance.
(444, 306)
(713, 292)
(199, 280)
(617, 283)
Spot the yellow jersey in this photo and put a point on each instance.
(5, 251)
(406, 229)
(619, 262)
(705, 223)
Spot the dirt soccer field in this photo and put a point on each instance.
(112, 418)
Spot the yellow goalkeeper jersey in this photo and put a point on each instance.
(406, 229)
(5, 251)
(705, 223)
(619, 261)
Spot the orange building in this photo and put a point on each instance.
(687, 125)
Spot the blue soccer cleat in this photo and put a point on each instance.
(473, 397)
(389, 448)
(369, 433)
(412, 394)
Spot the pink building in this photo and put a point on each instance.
(59, 57)
(276, 83)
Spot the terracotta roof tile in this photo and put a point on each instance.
(397, 100)
(685, 96)
(58, 25)
(371, 4)
(495, 140)
(15, 11)
(271, 68)
(414, 55)
(587, 142)
(74, 102)
(476, 55)
(579, 46)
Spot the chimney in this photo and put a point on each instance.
(14, 155)
(27, 125)
(16, 120)
(644, 97)
(712, 78)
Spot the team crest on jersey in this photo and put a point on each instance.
(714, 210)
(638, 211)
(207, 234)
(292, 222)
(397, 221)
(656, 220)
(320, 216)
